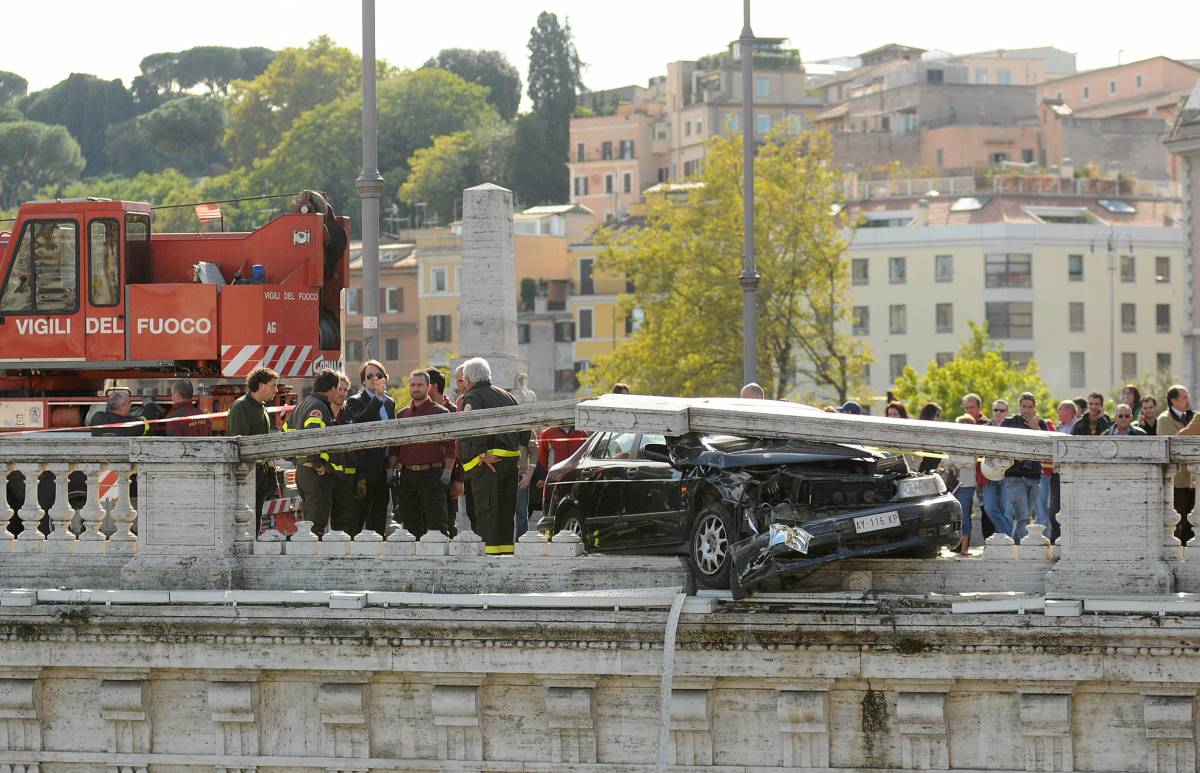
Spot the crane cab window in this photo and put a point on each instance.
(103, 256)
(44, 272)
(137, 248)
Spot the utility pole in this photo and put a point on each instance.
(749, 277)
(370, 189)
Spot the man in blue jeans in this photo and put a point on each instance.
(1023, 478)
(993, 495)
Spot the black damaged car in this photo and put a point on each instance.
(747, 512)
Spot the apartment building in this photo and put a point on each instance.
(398, 316)
(1092, 288)
(599, 324)
(1151, 88)
(658, 133)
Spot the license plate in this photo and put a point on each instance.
(876, 522)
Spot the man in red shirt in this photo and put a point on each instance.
(181, 397)
(554, 444)
(425, 468)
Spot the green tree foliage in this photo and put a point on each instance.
(218, 66)
(162, 188)
(10, 112)
(12, 86)
(684, 266)
(554, 84)
(86, 105)
(487, 68)
(188, 130)
(33, 155)
(261, 110)
(979, 367)
(537, 175)
(439, 172)
(323, 149)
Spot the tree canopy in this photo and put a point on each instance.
(262, 110)
(86, 105)
(486, 68)
(12, 86)
(440, 172)
(216, 67)
(34, 155)
(554, 84)
(684, 266)
(160, 189)
(979, 367)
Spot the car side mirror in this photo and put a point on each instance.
(656, 452)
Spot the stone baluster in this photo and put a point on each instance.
(400, 542)
(122, 513)
(91, 539)
(1194, 515)
(243, 513)
(60, 539)
(6, 536)
(1035, 544)
(1172, 547)
(30, 540)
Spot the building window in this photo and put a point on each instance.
(699, 128)
(1019, 360)
(626, 148)
(898, 319)
(608, 183)
(564, 332)
(943, 268)
(579, 152)
(1075, 268)
(687, 128)
(1137, 82)
(587, 285)
(1078, 372)
(353, 300)
(941, 158)
(1128, 365)
(439, 280)
(1075, 315)
(663, 174)
(1003, 77)
(627, 182)
(1010, 320)
(585, 323)
(896, 365)
(1112, 87)
(981, 77)
(861, 317)
(944, 358)
(1162, 317)
(762, 123)
(1128, 318)
(564, 380)
(1008, 270)
(762, 87)
(391, 349)
(858, 271)
(1128, 269)
(1027, 155)
(1163, 361)
(606, 150)
(354, 351)
(1087, 92)
(944, 318)
(998, 159)
(523, 333)
(934, 76)
(1162, 269)
(897, 270)
(581, 186)
(438, 328)
(394, 300)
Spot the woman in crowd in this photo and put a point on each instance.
(895, 410)
(963, 466)
(1132, 396)
(931, 412)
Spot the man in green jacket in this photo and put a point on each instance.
(248, 416)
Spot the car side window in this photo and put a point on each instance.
(647, 439)
(618, 445)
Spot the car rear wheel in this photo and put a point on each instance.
(710, 546)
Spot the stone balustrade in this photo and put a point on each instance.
(191, 522)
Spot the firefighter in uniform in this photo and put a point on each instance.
(490, 461)
(315, 472)
(248, 416)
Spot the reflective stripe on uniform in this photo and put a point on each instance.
(314, 421)
(501, 452)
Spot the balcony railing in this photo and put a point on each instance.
(856, 189)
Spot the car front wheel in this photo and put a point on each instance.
(710, 546)
(573, 525)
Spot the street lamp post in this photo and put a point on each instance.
(749, 277)
(370, 189)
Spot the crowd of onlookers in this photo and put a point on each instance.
(1013, 493)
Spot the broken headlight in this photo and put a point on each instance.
(793, 537)
(920, 486)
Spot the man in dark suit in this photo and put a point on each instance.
(372, 403)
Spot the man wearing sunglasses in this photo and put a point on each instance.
(372, 403)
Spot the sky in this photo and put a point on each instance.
(622, 41)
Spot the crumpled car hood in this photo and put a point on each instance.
(723, 451)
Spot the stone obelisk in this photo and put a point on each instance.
(487, 311)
